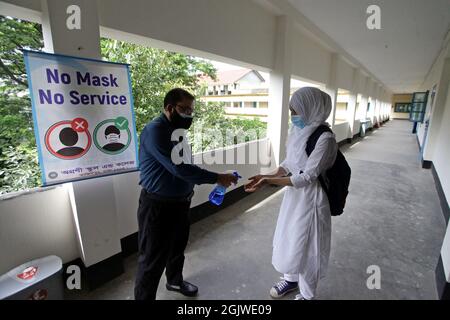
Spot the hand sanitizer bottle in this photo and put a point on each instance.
(218, 193)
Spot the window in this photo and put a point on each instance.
(401, 107)
(255, 104)
(418, 106)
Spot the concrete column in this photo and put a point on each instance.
(84, 42)
(363, 106)
(377, 113)
(385, 114)
(333, 94)
(279, 91)
(332, 90)
(351, 109)
(351, 113)
(93, 201)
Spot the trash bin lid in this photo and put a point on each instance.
(28, 274)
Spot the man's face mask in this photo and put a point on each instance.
(297, 121)
(112, 137)
(181, 120)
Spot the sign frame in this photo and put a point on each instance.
(57, 56)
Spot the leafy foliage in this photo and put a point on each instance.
(18, 156)
(153, 73)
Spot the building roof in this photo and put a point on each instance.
(228, 76)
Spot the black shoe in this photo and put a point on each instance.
(186, 288)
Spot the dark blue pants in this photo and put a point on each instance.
(163, 236)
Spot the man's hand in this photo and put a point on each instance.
(226, 179)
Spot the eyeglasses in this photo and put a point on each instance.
(186, 110)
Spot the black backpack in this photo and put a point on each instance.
(336, 179)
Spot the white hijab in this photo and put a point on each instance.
(314, 107)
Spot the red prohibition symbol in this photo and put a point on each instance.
(77, 126)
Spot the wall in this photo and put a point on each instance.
(252, 148)
(356, 126)
(206, 26)
(396, 98)
(310, 60)
(344, 75)
(342, 131)
(127, 189)
(441, 160)
(40, 222)
(34, 225)
(435, 144)
(441, 154)
(433, 113)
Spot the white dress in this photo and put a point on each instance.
(301, 243)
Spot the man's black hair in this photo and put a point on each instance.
(112, 129)
(68, 137)
(177, 95)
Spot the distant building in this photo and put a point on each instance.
(244, 93)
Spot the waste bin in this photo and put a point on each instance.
(40, 279)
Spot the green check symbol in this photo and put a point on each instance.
(121, 123)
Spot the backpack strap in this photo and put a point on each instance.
(311, 144)
(312, 140)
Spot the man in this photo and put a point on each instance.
(164, 203)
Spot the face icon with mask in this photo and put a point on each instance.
(112, 136)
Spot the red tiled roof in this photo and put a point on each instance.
(226, 77)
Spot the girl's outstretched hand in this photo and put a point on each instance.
(256, 183)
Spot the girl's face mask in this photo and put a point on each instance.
(297, 121)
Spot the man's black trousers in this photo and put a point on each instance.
(163, 236)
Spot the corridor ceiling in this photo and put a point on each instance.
(402, 52)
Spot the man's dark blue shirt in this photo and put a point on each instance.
(158, 174)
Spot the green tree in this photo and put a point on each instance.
(153, 73)
(18, 157)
